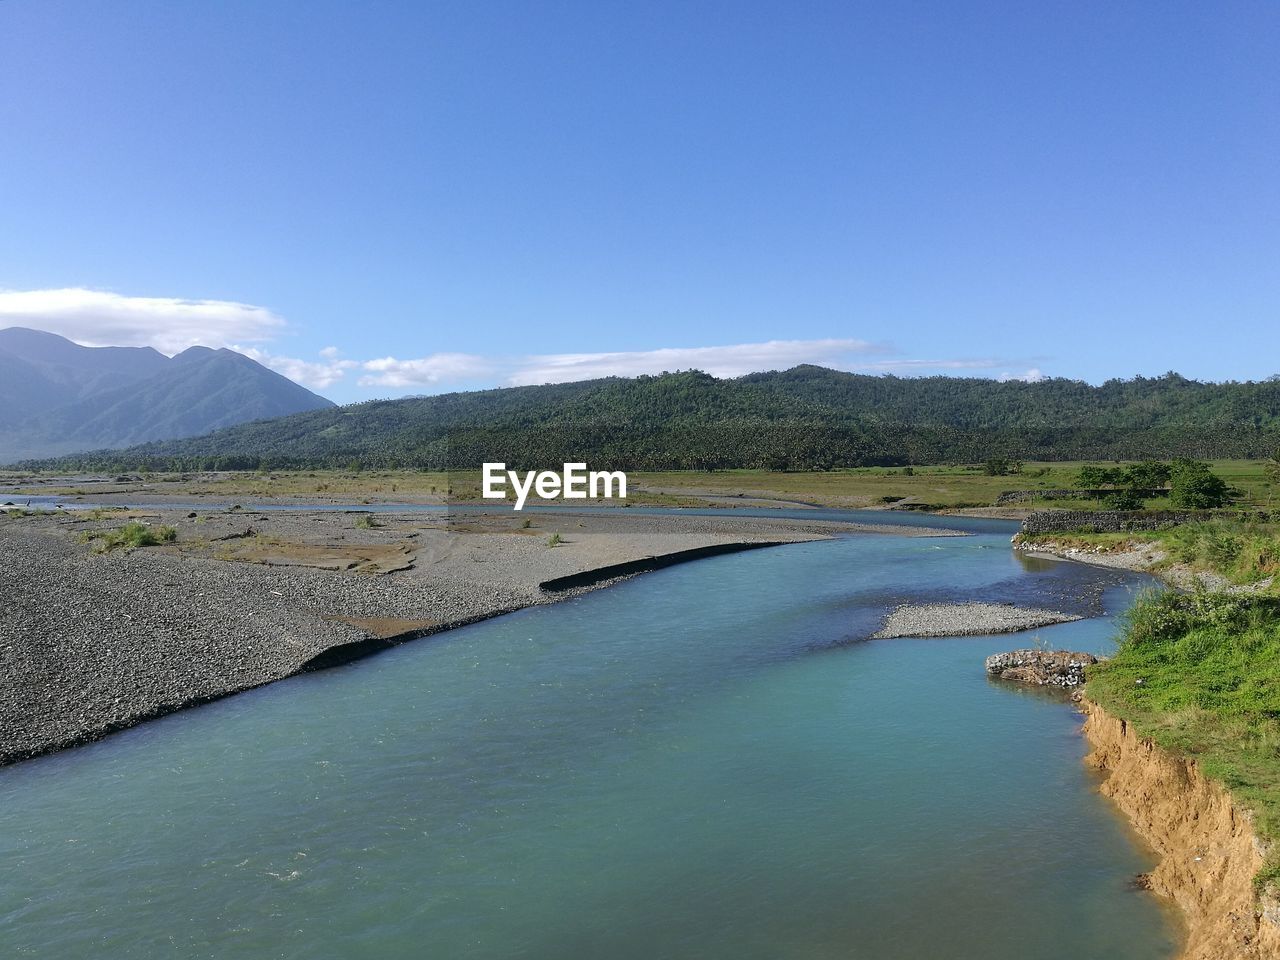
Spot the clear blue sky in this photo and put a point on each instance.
(1084, 189)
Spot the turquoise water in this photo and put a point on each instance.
(703, 762)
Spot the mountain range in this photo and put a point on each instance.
(58, 397)
(804, 418)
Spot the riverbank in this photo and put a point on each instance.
(96, 642)
(1209, 848)
(1225, 553)
(1184, 715)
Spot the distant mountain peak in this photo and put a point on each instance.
(64, 397)
(194, 353)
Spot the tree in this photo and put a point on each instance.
(1091, 477)
(1149, 475)
(1126, 499)
(1192, 486)
(996, 467)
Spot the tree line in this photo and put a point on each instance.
(807, 418)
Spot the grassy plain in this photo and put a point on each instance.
(925, 487)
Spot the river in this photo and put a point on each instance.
(708, 762)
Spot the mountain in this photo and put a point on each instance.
(59, 397)
(799, 419)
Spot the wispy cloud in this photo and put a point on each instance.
(732, 360)
(892, 366)
(316, 374)
(1033, 375)
(100, 318)
(171, 324)
(426, 371)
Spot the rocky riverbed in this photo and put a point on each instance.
(965, 619)
(95, 642)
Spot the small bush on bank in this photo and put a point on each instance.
(129, 537)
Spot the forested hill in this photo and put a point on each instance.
(804, 418)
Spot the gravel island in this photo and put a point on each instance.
(965, 619)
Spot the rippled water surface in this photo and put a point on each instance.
(704, 762)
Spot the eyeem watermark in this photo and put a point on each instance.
(574, 483)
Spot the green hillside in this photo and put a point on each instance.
(800, 419)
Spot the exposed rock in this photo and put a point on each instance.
(1042, 668)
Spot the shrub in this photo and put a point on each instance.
(129, 537)
(1122, 500)
(1192, 486)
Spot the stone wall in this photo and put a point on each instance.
(1108, 521)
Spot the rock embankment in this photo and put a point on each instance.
(1209, 851)
(965, 619)
(1041, 668)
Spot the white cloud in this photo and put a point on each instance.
(725, 361)
(316, 375)
(1034, 375)
(100, 318)
(730, 360)
(425, 371)
(890, 366)
(171, 324)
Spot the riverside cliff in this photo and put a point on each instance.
(1208, 848)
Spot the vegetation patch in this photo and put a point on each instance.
(1243, 551)
(1200, 675)
(129, 537)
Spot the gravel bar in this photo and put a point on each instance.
(965, 619)
(94, 643)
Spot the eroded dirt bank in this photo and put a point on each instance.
(1209, 852)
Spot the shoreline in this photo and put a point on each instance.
(1209, 852)
(96, 643)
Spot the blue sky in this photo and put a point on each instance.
(387, 198)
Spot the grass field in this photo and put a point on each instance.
(935, 487)
(929, 487)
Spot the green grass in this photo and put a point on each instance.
(367, 521)
(1200, 675)
(129, 537)
(1242, 551)
(555, 540)
(936, 487)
